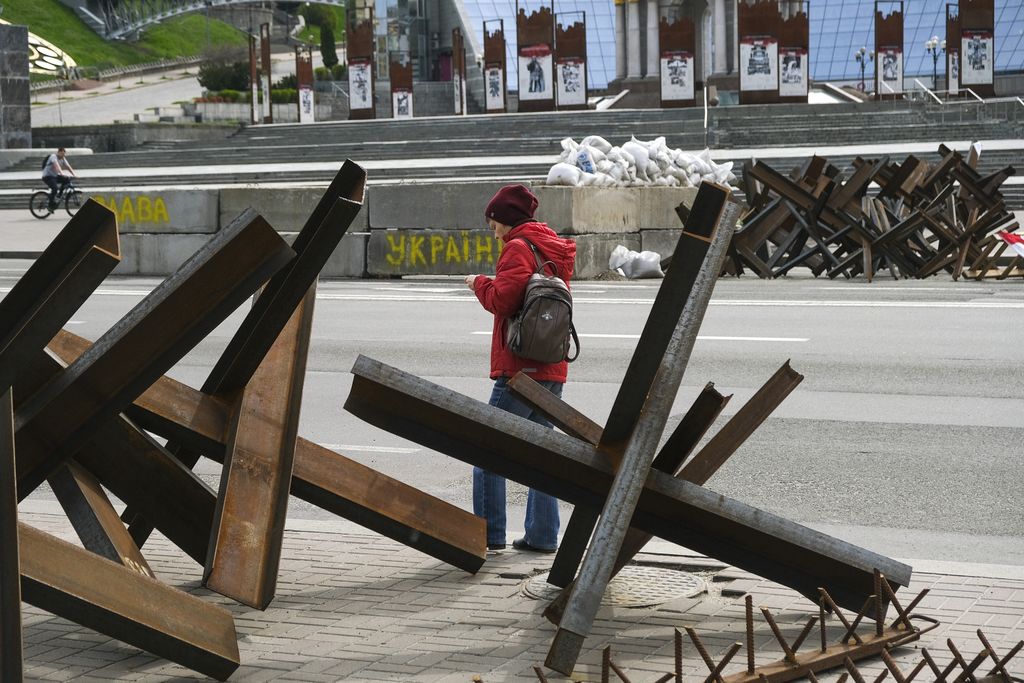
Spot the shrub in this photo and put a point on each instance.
(339, 72)
(318, 15)
(327, 47)
(322, 73)
(284, 96)
(287, 81)
(233, 76)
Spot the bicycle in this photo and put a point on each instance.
(68, 194)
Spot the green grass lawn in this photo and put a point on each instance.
(182, 36)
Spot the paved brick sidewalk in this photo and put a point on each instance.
(355, 606)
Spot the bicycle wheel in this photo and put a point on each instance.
(39, 204)
(73, 202)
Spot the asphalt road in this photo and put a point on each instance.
(905, 435)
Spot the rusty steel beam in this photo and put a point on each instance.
(84, 588)
(739, 428)
(94, 518)
(558, 412)
(272, 309)
(10, 586)
(759, 542)
(697, 420)
(320, 476)
(53, 423)
(248, 529)
(56, 284)
(314, 244)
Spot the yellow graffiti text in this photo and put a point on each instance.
(138, 209)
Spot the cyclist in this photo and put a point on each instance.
(54, 175)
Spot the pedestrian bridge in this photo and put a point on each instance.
(118, 19)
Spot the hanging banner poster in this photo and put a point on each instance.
(890, 61)
(457, 93)
(759, 63)
(572, 88)
(401, 104)
(360, 84)
(495, 93)
(535, 73)
(977, 55)
(306, 111)
(793, 72)
(953, 72)
(676, 76)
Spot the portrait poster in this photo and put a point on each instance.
(976, 57)
(306, 111)
(457, 93)
(360, 84)
(494, 92)
(793, 72)
(676, 76)
(759, 63)
(401, 103)
(535, 73)
(571, 77)
(890, 61)
(953, 72)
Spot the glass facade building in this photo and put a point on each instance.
(841, 27)
(600, 20)
(838, 28)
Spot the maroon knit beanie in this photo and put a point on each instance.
(512, 205)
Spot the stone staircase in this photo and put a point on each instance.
(484, 137)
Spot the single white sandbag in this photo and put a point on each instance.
(642, 265)
(619, 256)
(563, 174)
(597, 142)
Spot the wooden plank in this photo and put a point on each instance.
(52, 424)
(94, 518)
(11, 663)
(320, 476)
(248, 527)
(56, 284)
(85, 588)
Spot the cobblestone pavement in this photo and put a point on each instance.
(358, 607)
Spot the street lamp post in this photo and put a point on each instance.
(934, 47)
(862, 56)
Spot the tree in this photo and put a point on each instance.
(327, 48)
(224, 68)
(318, 15)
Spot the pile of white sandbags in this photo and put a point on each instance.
(594, 161)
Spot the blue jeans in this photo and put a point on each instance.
(489, 489)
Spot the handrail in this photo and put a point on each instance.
(1021, 101)
(888, 87)
(975, 95)
(705, 115)
(922, 87)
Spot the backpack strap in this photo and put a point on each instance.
(537, 255)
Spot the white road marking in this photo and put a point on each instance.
(468, 297)
(369, 449)
(700, 337)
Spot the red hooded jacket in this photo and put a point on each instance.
(503, 295)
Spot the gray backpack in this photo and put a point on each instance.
(542, 328)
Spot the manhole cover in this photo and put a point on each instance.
(634, 586)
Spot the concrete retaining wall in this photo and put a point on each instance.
(403, 229)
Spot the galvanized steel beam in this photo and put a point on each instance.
(672, 509)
